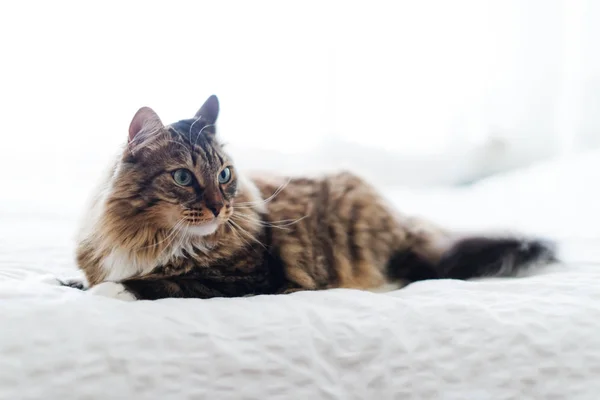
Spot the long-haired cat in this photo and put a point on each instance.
(175, 218)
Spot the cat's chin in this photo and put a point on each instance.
(203, 230)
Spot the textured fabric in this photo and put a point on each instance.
(532, 337)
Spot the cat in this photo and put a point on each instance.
(175, 218)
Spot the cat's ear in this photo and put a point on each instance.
(209, 110)
(145, 120)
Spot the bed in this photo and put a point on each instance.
(535, 337)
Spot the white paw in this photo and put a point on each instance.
(113, 290)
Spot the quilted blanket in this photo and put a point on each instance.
(533, 337)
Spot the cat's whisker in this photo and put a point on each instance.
(292, 222)
(246, 207)
(183, 236)
(265, 201)
(177, 232)
(190, 130)
(235, 232)
(255, 221)
(282, 224)
(263, 224)
(199, 133)
(248, 234)
(171, 232)
(239, 235)
(268, 199)
(255, 218)
(285, 222)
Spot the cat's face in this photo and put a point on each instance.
(177, 176)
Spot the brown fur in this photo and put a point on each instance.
(345, 234)
(274, 234)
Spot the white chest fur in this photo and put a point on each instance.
(122, 264)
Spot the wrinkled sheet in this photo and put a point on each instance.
(533, 337)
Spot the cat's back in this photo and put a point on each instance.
(337, 190)
(335, 227)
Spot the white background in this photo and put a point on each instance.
(408, 92)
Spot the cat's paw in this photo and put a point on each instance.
(75, 283)
(113, 290)
(48, 279)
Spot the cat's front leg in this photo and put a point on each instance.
(113, 290)
(75, 283)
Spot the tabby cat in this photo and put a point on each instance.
(175, 218)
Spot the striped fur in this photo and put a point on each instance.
(261, 235)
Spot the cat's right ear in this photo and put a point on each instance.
(145, 122)
(209, 112)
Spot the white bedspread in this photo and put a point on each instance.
(533, 337)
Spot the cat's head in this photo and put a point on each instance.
(176, 175)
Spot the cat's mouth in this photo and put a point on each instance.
(198, 223)
(204, 229)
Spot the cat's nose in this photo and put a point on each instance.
(215, 208)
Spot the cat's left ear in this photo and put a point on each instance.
(145, 122)
(209, 110)
(144, 129)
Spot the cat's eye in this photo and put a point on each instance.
(225, 175)
(182, 177)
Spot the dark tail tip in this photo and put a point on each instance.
(488, 256)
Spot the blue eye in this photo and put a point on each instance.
(225, 175)
(182, 177)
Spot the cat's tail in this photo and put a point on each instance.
(482, 256)
(474, 257)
